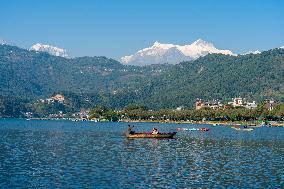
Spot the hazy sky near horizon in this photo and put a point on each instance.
(115, 28)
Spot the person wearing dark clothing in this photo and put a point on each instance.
(130, 131)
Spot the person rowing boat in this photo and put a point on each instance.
(155, 131)
(130, 131)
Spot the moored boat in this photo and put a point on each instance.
(192, 129)
(150, 135)
(188, 129)
(242, 129)
(204, 129)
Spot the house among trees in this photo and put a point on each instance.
(241, 102)
(59, 98)
(237, 102)
(270, 104)
(49, 100)
(251, 105)
(213, 104)
(180, 108)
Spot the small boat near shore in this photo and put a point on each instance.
(238, 128)
(150, 135)
(192, 129)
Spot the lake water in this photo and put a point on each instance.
(65, 154)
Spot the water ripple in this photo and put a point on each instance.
(48, 154)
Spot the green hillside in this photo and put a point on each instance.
(31, 75)
(255, 77)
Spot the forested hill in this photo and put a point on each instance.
(215, 76)
(31, 75)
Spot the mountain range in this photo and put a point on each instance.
(160, 53)
(99, 80)
(56, 51)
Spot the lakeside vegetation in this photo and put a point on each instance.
(71, 108)
(228, 114)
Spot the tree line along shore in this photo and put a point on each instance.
(226, 116)
(138, 113)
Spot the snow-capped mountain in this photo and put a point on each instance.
(172, 54)
(252, 52)
(282, 47)
(49, 49)
(3, 42)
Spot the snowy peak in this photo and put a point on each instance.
(163, 46)
(160, 53)
(202, 43)
(252, 52)
(55, 51)
(3, 42)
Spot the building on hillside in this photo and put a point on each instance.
(180, 108)
(199, 104)
(213, 104)
(49, 100)
(84, 114)
(270, 104)
(251, 105)
(59, 98)
(237, 102)
(241, 102)
(41, 101)
(29, 114)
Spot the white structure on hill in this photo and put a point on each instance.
(241, 102)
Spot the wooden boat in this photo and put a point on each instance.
(150, 135)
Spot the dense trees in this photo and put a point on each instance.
(227, 114)
(90, 81)
(13, 107)
(101, 112)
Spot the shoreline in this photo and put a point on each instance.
(213, 123)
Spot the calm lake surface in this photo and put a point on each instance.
(65, 154)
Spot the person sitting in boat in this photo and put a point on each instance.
(130, 131)
(155, 131)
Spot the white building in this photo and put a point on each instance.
(213, 104)
(251, 105)
(241, 102)
(237, 102)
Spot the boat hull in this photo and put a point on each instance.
(192, 129)
(150, 135)
(242, 129)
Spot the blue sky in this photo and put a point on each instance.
(115, 28)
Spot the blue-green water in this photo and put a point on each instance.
(64, 154)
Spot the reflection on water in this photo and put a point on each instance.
(57, 154)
